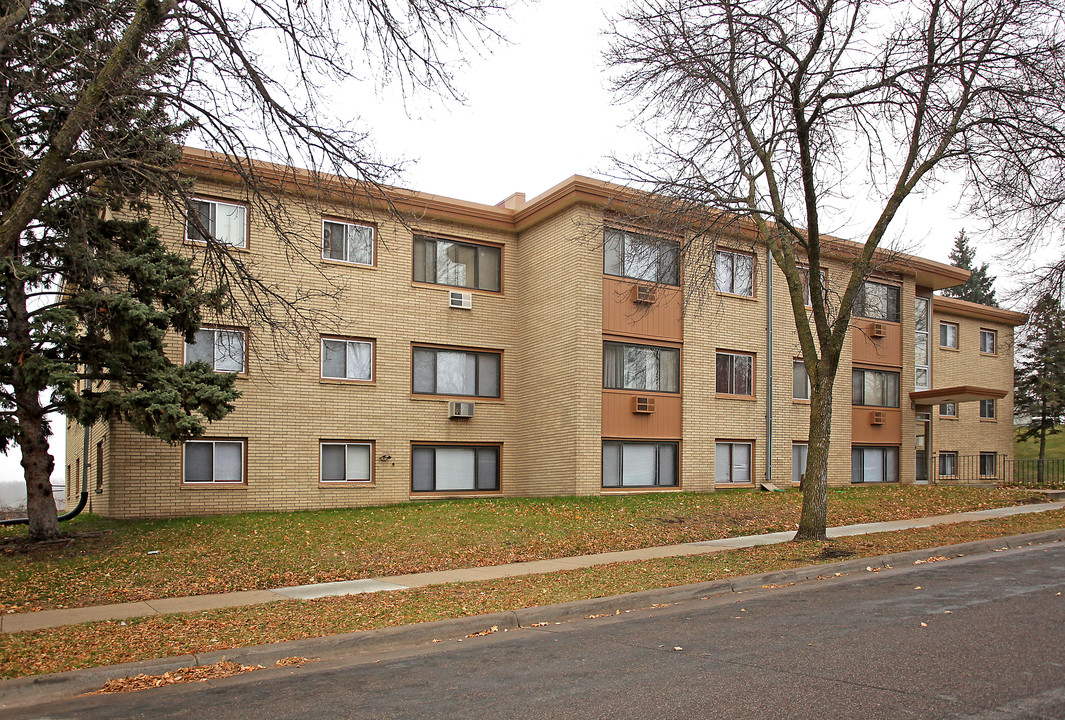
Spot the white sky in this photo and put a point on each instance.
(537, 111)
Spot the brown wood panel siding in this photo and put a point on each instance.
(867, 348)
(619, 421)
(660, 320)
(863, 432)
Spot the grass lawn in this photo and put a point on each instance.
(1029, 449)
(106, 643)
(111, 561)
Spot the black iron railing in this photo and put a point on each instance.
(993, 468)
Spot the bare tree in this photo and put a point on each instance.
(96, 99)
(782, 112)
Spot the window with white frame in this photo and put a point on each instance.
(922, 373)
(988, 464)
(876, 388)
(458, 264)
(735, 374)
(347, 242)
(948, 410)
(221, 348)
(987, 409)
(639, 464)
(734, 272)
(468, 373)
(214, 461)
(948, 464)
(641, 367)
(347, 359)
(800, 381)
(878, 301)
(732, 462)
(799, 453)
(641, 257)
(988, 341)
(227, 223)
(871, 464)
(346, 462)
(805, 273)
(453, 468)
(948, 335)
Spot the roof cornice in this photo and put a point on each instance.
(964, 308)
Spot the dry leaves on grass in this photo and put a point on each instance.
(195, 673)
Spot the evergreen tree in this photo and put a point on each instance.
(980, 287)
(1040, 391)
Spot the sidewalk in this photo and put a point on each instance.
(23, 622)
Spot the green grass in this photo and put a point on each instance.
(108, 561)
(1029, 449)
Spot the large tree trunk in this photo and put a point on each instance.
(32, 434)
(814, 519)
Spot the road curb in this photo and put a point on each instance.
(43, 688)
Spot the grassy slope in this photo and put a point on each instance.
(1029, 450)
(257, 551)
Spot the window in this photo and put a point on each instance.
(639, 464)
(876, 388)
(459, 264)
(735, 374)
(451, 468)
(948, 335)
(874, 464)
(800, 381)
(456, 372)
(877, 301)
(225, 222)
(988, 342)
(922, 379)
(948, 410)
(222, 349)
(346, 462)
(734, 272)
(987, 464)
(948, 464)
(347, 242)
(640, 367)
(214, 461)
(987, 409)
(641, 257)
(347, 359)
(799, 452)
(806, 300)
(732, 462)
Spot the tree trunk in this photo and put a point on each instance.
(32, 434)
(814, 519)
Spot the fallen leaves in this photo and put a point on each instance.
(195, 673)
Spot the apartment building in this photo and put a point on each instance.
(545, 347)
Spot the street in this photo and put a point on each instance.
(975, 638)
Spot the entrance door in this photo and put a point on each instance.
(921, 436)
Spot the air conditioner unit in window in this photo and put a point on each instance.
(876, 417)
(879, 330)
(456, 409)
(643, 404)
(644, 294)
(461, 300)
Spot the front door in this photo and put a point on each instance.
(921, 433)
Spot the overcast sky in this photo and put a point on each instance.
(537, 111)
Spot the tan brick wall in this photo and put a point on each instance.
(548, 324)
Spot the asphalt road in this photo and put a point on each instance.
(975, 638)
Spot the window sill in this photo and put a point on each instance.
(459, 398)
(799, 401)
(948, 349)
(456, 288)
(750, 298)
(454, 494)
(726, 396)
(201, 243)
(726, 485)
(953, 418)
(343, 381)
(640, 490)
(989, 420)
(656, 393)
(990, 355)
(346, 484)
(214, 486)
(346, 263)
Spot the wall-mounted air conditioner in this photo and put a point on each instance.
(644, 294)
(457, 409)
(643, 404)
(876, 417)
(879, 330)
(461, 300)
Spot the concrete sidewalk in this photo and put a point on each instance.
(23, 622)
